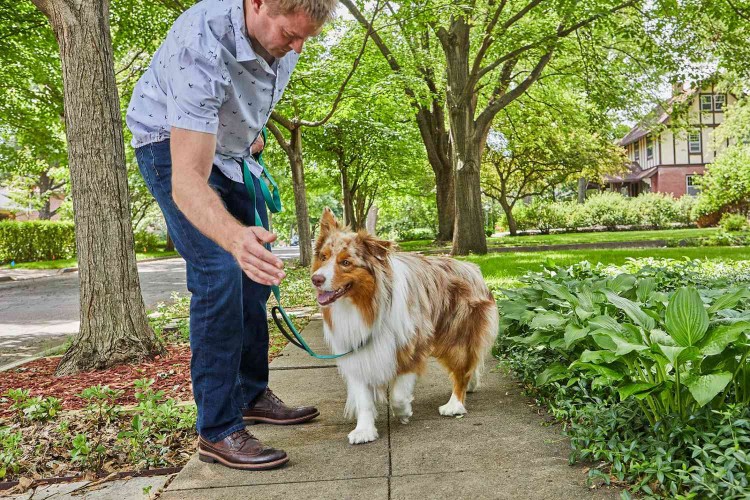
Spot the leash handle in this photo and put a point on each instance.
(273, 201)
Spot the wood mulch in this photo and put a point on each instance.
(171, 373)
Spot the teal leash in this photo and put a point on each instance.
(273, 202)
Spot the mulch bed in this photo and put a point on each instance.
(170, 372)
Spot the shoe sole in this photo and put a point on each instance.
(210, 458)
(266, 420)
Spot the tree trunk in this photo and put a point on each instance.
(300, 198)
(169, 247)
(512, 226)
(467, 143)
(45, 212)
(114, 328)
(372, 219)
(437, 144)
(346, 192)
(582, 185)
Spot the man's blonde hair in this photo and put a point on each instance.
(321, 11)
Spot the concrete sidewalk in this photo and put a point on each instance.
(499, 450)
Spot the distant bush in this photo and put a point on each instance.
(610, 210)
(733, 222)
(36, 240)
(417, 233)
(145, 241)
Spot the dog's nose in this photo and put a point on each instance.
(318, 279)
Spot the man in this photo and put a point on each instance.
(196, 115)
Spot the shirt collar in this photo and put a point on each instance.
(244, 50)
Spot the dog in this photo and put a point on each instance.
(394, 311)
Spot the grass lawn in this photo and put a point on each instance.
(503, 270)
(574, 238)
(62, 263)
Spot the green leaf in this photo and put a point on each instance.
(547, 320)
(646, 287)
(554, 372)
(559, 291)
(636, 388)
(574, 333)
(605, 371)
(717, 339)
(623, 345)
(704, 388)
(621, 282)
(686, 318)
(730, 300)
(678, 355)
(605, 322)
(598, 357)
(632, 310)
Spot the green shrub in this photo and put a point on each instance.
(417, 233)
(610, 210)
(733, 222)
(650, 373)
(146, 241)
(656, 209)
(10, 452)
(541, 215)
(36, 240)
(685, 209)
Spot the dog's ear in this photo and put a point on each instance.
(328, 222)
(374, 246)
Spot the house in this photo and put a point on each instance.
(667, 157)
(10, 209)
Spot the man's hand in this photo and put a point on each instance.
(192, 158)
(258, 263)
(258, 145)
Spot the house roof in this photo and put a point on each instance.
(658, 116)
(635, 173)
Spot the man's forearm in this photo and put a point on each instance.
(205, 210)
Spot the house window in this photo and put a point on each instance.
(694, 141)
(649, 148)
(719, 100)
(636, 153)
(693, 189)
(707, 103)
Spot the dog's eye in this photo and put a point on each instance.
(346, 263)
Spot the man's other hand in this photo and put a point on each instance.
(256, 261)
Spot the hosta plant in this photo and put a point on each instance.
(672, 350)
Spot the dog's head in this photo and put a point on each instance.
(345, 262)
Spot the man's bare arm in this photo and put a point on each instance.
(192, 158)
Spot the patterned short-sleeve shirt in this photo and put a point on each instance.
(207, 77)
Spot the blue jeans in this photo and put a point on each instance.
(228, 328)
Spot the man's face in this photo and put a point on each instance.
(279, 33)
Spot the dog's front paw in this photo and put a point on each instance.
(402, 412)
(364, 435)
(452, 408)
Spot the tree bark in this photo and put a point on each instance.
(169, 247)
(372, 220)
(300, 197)
(114, 328)
(45, 212)
(346, 192)
(582, 185)
(437, 144)
(508, 209)
(467, 142)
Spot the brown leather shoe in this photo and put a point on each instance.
(270, 409)
(241, 450)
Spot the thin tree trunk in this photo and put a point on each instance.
(45, 212)
(346, 192)
(169, 247)
(508, 209)
(437, 144)
(582, 185)
(300, 197)
(114, 328)
(372, 219)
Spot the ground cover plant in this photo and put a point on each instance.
(648, 369)
(129, 417)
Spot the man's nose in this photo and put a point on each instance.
(297, 45)
(318, 279)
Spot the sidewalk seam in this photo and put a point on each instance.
(388, 425)
(279, 482)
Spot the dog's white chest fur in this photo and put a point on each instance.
(375, 363)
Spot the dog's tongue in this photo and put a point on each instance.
(324, 297)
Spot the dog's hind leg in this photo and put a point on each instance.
(455, 405)
(402, 394)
